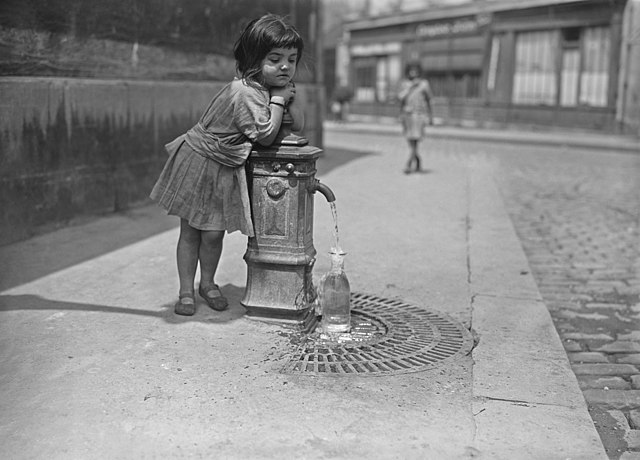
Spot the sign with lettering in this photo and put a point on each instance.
(373, 49)
(448, 28)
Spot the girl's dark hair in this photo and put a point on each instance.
(258, 38)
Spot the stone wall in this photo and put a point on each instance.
(78, 147)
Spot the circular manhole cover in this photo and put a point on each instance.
(387, 337)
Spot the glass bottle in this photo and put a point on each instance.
(335, 296)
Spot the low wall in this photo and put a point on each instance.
(76, 147)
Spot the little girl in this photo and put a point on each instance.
(204, 180)
(415, 97)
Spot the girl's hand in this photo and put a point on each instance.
(287, 92)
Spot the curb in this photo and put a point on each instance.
(550, 139)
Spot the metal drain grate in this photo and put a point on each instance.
(387, 337)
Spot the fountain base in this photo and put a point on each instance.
(304, 321)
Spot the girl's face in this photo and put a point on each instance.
(279, 66)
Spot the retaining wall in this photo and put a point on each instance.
(76, 147)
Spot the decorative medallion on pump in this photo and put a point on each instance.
(276, 188)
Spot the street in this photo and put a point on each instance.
(577, 213)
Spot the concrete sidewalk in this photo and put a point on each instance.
(550, 137)
(94, 364)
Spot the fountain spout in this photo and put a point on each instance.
(318, 186)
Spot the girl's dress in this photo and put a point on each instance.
(204, 180)
(415, 111)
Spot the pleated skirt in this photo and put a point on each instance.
(209, 195)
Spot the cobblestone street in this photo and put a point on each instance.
(577, 214)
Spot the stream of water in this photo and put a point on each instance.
(336, 236)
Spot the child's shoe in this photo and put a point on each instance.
(214, 297)
(186, 305)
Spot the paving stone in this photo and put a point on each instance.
(593, 289)
(632, 289)
(608, 306)
(629, 359)
(588, 357)
(604, 369)
(581, 297)
(571, 346)
(603, 383)
(612, 284)
(633, 336)
(588, 266)
(620, 419)
(611, 273)
(586, 336)
(623, 318)
(619, 347)
(565, 326)
(595, 316)
(633, 439)
(613, 399)
(634, 419)
(630, 456)
(562, 305)
(635, 381)
(573, 314)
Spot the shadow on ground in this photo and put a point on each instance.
(334, 158)
(29, 260)
(30, 302)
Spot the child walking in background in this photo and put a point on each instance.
(415, 98)
(204, 181)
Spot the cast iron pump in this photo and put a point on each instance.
(281, 256)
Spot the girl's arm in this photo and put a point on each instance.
(297, 114)
(279, 98)
(428, 95)
(276, 107)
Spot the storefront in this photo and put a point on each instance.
(526, 61)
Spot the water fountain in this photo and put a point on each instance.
(281, 256)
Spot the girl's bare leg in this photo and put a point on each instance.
(416, 156)
(187, 256)
(209, 255)
(413, 156)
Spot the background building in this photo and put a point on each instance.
(563, 63)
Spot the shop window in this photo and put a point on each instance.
(570, 67)
(583, 72)
(376, 78)
(585, 67)
(534, 80)
(365, 79)
(594, 80)
(570, 76)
